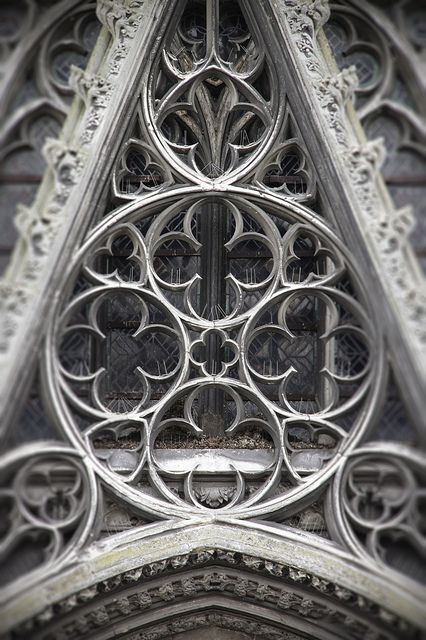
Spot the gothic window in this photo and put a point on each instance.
(217, 350)
(386, 44)
(40, 41)
(213, 251)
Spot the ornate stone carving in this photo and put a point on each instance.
(307, 15)
(334, 92)
(91, 88)
(136, 427)
(95, 92)
(140, 169)
(403, 222)
(305, 18)
(214, 496)
(364, 162)
(67, 162)
(128, 434)
(252, 586)
(120, 17)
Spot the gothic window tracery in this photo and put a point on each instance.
(213, 346)
(39, 44)
(385, 45)
(213, 319)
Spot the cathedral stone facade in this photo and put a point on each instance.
(213, 335)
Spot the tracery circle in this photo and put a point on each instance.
(48, 495)
(97, 404)
(349, 323)
(219, 216)
(376, 502)
(285, 228)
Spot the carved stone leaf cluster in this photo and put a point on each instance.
(139, 594)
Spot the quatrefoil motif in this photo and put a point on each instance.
(214, 354)
(248, 249)
(142, 335)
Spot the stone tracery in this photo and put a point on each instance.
(238, 339)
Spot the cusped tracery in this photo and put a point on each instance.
(215, 353)
(213, 346)
(381, 507)
(212, 259)
(212, 99)
(44, 499)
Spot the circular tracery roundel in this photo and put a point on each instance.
(214, 353)
(213, 260)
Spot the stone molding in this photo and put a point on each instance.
(184, 562)
(72, 159)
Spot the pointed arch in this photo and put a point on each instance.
(330, 205)
(273, 579)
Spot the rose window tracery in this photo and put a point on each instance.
(213, 352)
(212, 100)
(214, 348)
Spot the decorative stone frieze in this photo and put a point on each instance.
(250, 578)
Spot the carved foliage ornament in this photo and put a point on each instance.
(138, 594)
